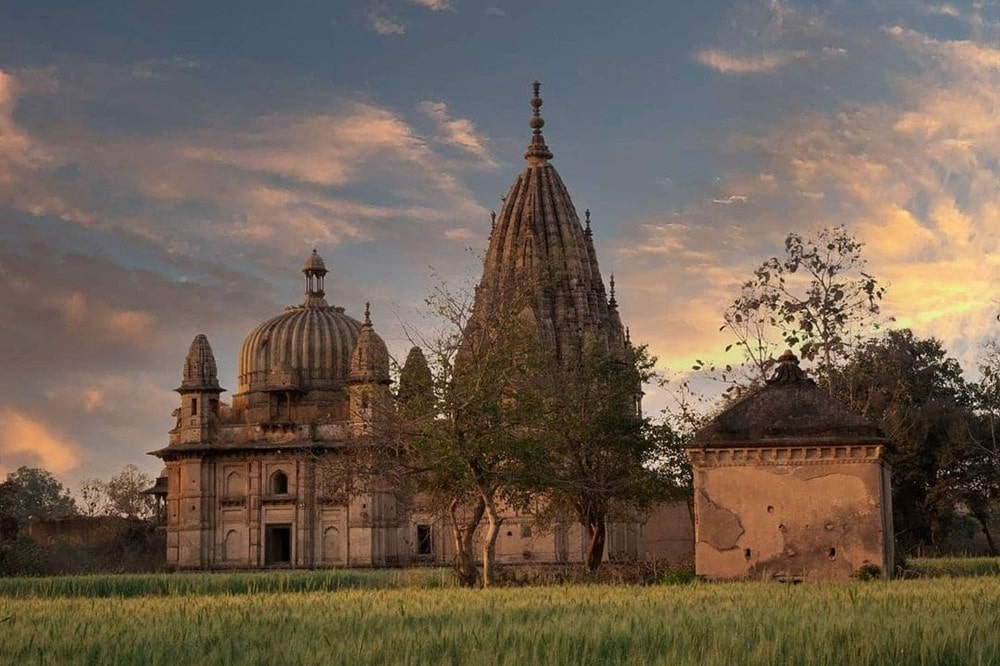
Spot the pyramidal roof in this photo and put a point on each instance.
(789, 409)
(200, 372)
(538, 243)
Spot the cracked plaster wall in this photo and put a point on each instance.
(809, 522)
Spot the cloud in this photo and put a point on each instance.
(494, 10)
(351, 171)
(119, 246)
(731, 63)
(940, 9)
(27, 441)
(382, 24)
(731, 199)
(433, 5)
(913, 176)
(462, 234)
(458, 132)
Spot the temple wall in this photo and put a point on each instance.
(819, 519)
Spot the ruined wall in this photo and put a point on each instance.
(803, 514)
(669, 534)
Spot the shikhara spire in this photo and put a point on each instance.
(537, 242)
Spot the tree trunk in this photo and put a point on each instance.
(598, 536)
(493, 523)
(463, 532)
(981, 515)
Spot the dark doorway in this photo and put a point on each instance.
(278, 544)
(424, 540)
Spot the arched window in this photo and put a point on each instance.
(234, 485)
(232, 547)
(279, 483)
(331, 545)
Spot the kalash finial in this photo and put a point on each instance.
(611, 301)
(787, 370)
(587, 230)
(368, 313)
(538, 153)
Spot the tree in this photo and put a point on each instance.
(121, 495)
(471, 449)
(125, 494)
(918, 395)
(31, 492)
(982, 492)
(818, 298)
(599, 450)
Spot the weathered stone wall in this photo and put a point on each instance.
(801, 517)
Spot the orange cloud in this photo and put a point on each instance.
(459, 132)
(26, 441)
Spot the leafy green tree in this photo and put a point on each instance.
(917, 393)
(471, 449)
(981, 493)
(125, 496)
(31, 492)
(599, 450)
(818, 299)
(121, 495)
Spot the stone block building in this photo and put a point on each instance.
(790, 485)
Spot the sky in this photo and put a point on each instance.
(165, 168)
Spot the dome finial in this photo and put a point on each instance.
(368, 313)
(587, 230)
(315, 272)
(611, 301)
(787, 370)
(628, 336)
(538, 153)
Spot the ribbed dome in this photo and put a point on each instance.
(370, 359)
(303, 348)
(307, 347)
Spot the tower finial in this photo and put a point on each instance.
(628, 336)
(611, 301)
(368, 313)
(538, 153)
(493, 218)
(315, 271)
(587, 230)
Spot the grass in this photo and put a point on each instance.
(931, 621)
(184, 584)
(924, 567)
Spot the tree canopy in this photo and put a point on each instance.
(31, 492)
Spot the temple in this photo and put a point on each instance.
(270, 479)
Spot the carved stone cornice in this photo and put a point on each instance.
(785, 455)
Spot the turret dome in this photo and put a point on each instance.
(370, 359)
(200, 372)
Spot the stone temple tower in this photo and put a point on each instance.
(538, 243)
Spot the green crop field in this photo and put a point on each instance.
(411, 617)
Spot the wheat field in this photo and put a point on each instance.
(401, 620)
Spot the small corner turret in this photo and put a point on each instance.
(369, 379)
(198, 416)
